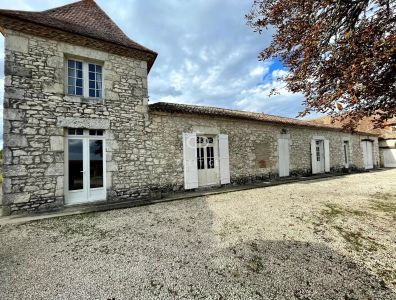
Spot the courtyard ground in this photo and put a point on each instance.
(333, 238)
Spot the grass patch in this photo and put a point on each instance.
(384, 202)
(385, 207)
(388, 275)
(334, 211)
(384, 196)
(357, 241)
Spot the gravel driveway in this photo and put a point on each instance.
(324, 239)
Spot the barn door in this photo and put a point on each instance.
(284, 159)
(190, 161)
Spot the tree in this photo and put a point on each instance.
(341, 54)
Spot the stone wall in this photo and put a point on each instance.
(144, 152)
(250, 143)
(36, 113)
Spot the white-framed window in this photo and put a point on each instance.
(84, 79)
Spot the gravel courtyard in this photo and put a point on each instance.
(325, 239)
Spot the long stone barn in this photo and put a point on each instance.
(78, 128)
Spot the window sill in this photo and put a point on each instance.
(88, 100)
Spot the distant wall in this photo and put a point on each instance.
(252, 145)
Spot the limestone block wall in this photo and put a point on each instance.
(245, 139)
(37, 112)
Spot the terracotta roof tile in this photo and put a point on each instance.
(84, 18)
(237, 114)
(364, 125)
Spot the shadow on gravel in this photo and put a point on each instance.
(169, 251)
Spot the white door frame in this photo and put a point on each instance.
(322, 166)
(87, 194)
(204, 174)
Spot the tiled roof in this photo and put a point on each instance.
(237, 114)
(83, 18)
(364, 125)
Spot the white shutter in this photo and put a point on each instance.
(224, 159)
(313, 157)
(364, 149)
(283, 157)
(327, 155)
(190, 161)
(370, 161)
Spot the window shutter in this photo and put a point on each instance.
(327, 155)
(364, 149)
(313, 157)
(224, 159)
(283, 157)
(190, 161)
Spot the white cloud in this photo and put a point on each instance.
(204, 57)
(279, 74)
(258, 98)
(258, 71)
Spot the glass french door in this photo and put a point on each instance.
(85, 166)
(320, 157)
(207, 161)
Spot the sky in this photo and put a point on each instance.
(207, 53)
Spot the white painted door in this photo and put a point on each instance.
(319, 159)
(284, 159)
(85, 167)
(207, 160)
(389, 158)
(367, 147)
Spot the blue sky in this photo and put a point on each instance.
(207, 53)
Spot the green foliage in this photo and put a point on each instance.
(340, 54)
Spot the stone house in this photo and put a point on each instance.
(386, 136)
(78, 128)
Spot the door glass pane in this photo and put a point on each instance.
(96, 163)
(210, 157)
(76, 179)
(200, 158)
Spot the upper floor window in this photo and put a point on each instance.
(84, 79)
(75, 78)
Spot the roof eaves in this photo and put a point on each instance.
(62, 25)
(235, 114)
